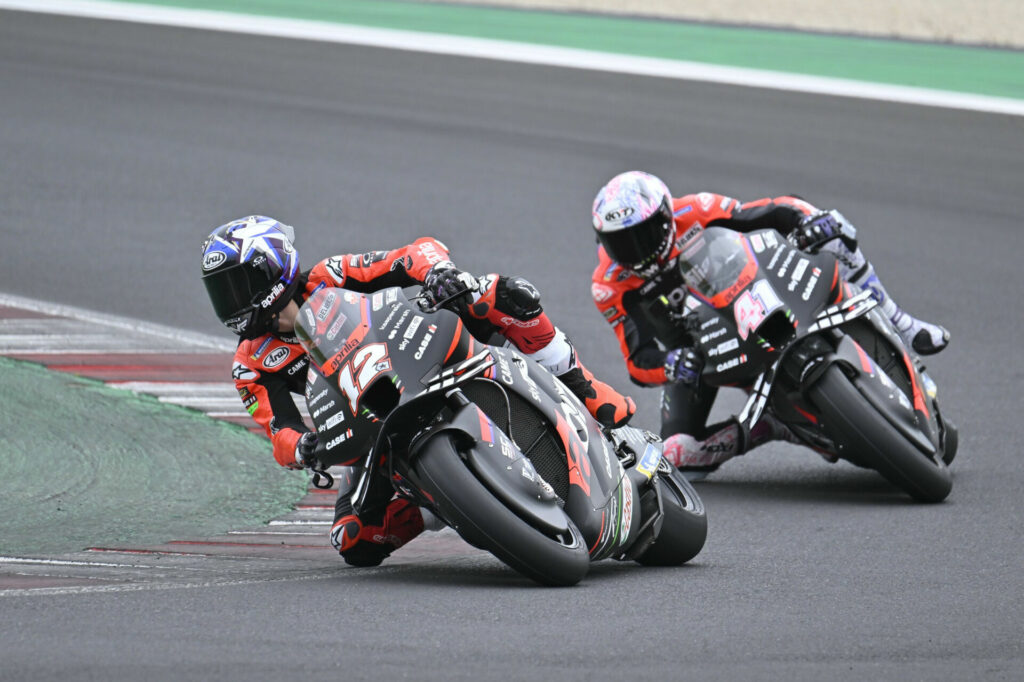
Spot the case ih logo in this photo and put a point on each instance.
(276, 357)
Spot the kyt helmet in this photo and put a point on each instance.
(633, 219)
(251, 271)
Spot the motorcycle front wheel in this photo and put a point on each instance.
(854, 422)
(485, 522)
(684, 528)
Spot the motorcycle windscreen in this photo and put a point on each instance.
(331, 322)
(717, 266)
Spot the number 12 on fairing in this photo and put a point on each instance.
(358, 373)
(754, 306)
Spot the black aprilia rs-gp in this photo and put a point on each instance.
(818, 354)
(488, 440)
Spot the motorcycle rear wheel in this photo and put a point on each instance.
(685, 526)
(485, 522)
(855, 423)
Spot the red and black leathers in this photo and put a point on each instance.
(268, 369)
(641, 310)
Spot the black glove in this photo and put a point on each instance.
(822, 227)
(306, 452)
(444, 283)
(683, 365)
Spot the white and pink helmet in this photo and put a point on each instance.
(633, 219)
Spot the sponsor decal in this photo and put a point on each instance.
(310, 402)
(770, 239)
(214, 259)
(729, 364)
(706, 201)
(335, 442)
(513, 322)
(276, 357)
(627, 509)
(336, 268)
(251, 405)
(352, 297)
(326, 306)
(757, 243)
(619, 214)
(398, 325)
(712, 335)
(600, 292)
(693, 231)
(378, 301)
(263, 346)
(775, 258)
(334, 419)
(336, 327)
(649, 461)
(798, 273)
(810, 284)
(274, 294)
(724, 203)
(371, 257)
(610, 313)
(298, 366)
(391, 295)
(505, 370)
(724, 347)
(430, 253)
(310, 321)
(240, 372)
(323, 408)
(609, 271)
(785, 263)
(425, 342)
(709, 323)
(414, 325)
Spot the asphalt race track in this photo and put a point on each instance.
(124, 145)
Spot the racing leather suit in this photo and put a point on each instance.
(634, 306)
(268, 369)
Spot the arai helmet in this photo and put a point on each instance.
(251, 271)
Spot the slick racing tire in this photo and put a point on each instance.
(485, 522)
(684, 527)
(854, 422)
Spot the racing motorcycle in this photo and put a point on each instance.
(486, 439)
(815, 352)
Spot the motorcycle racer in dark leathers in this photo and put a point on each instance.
(636, 285)
(250, 269)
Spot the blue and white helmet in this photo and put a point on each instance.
(251, 271)
(633, 219)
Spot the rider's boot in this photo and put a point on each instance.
(603, 402)
(923, 337)
(607, 405)
(698, 458)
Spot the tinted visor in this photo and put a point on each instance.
(235, 288)
(639, 244)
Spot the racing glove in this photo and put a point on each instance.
(684, 365)
(305, 452)
(447, 285)
(822, 227)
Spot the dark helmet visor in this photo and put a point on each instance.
(638, 245)
(238, 287)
